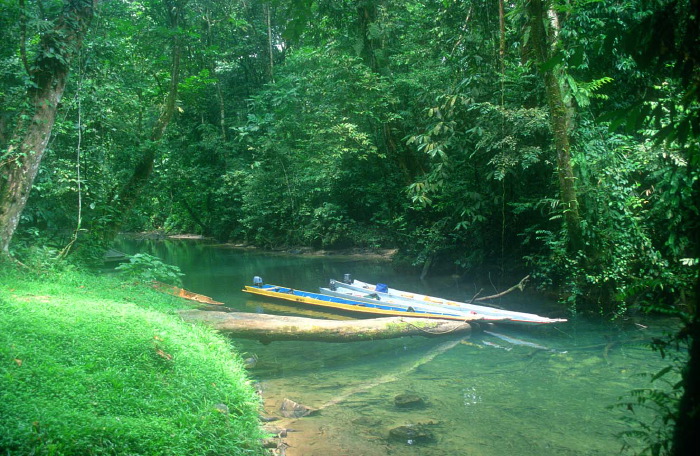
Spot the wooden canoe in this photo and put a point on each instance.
(349, 305)
(182, 293)
(443, 305)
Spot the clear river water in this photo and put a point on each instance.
(491, 393)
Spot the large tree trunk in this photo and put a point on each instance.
(19, 166)
(267, 328)
(366, 16)
(125, 200)
(371, 52)
(544, 30)
(212, 70)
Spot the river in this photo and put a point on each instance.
(491, 394)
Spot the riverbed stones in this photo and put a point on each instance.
(411, 434)
(409, 401)
(291, 409)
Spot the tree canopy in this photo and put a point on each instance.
(471, 135)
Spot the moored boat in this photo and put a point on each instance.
(185, 294)
(402, 303)
(350, 305)
(350, 286)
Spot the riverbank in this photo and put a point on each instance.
(90, 365)
(363, 253)
(355, 253)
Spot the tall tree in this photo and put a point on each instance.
(668, 39)
(48, 75)
(544, 36)
(124, 200)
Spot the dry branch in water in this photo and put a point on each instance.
(520, 286)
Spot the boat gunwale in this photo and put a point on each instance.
(423, 307)
(317, 299)
(510, 316)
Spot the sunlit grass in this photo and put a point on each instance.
(89, 365)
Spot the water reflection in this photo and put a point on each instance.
(507, 391)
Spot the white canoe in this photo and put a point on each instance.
(411, 306)
(500, 315)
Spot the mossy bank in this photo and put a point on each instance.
(91, 365)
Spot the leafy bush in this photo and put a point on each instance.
(330, 227)
(637, 208)
(143, 267)
(651, 412)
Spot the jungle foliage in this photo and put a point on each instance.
(555, 136)
(474, 136)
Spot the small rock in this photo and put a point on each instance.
(276, 430)
(411, 434)
(250, 363)
(409, 400)
(290, 409)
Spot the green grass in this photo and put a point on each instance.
(89, 365)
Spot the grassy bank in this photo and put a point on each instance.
(89, 365)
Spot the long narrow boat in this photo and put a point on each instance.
(440, 304)
(182, 293)
(350, 305)
(402, 303)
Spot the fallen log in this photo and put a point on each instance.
(268, 328)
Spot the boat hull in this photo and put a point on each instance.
(499, 315)
(414, 306)
(348, 305)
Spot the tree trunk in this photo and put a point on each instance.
(269, 43)
(127, 197)
(267, 328)
(366, 16)
(212, 69)
(501, 39)
(20, 164)
(544, 38)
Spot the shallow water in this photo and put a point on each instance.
(506, 391)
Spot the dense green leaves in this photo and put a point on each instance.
(417, 125)
(439, 127)
(316, 149)
(146, 268)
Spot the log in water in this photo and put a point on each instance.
(267, 328)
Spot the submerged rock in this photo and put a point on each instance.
(250, 363)
(411, 434)
(409, 400)
(290, 409)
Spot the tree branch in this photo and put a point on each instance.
(520, 286)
